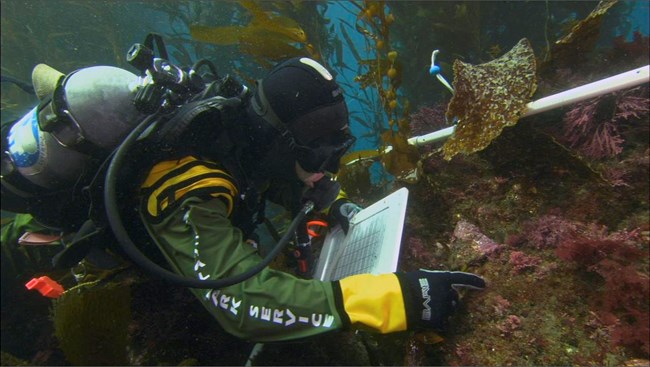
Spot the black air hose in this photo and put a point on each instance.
(117, 225)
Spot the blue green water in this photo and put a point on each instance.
(69, 35)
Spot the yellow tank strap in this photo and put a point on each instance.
(374, 301)
(169, 182)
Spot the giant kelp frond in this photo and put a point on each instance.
(267, 37)
(279, 23)
(227, 35)
(383, 72)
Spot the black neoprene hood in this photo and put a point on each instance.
(304, 95)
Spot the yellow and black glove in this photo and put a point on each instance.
(431, 297)
(404, 301)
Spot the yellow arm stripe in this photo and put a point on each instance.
(374, 301)
(163, 168)
(170, 181)
(160, 199)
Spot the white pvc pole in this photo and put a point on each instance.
(625, 80)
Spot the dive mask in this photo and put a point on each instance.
(326, 145)
(323, 155)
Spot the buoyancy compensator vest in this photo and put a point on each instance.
(164, 105)
(55, 158)
(166, 100)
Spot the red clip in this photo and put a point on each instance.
(302, 266)
(315, 223)
(46, 286)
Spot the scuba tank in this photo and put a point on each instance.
(60, 147)
(88, 114)
(55, 157)
(54, 151)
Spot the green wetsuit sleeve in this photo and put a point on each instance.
(21, 223)
(25, 261)
(199, 241)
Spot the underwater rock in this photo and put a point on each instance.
(620, 259)
(470, 245)
(521, 262)
(548, 231)
(511, 324)
(415, 353)
(489, 97)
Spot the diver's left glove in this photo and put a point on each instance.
(323, 194)
(342, 211)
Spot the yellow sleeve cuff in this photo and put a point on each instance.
(374, 302)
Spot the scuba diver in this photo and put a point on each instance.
(198, 179)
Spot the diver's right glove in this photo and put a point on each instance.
(403, 301)
(431, 297)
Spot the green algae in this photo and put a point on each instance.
(7, 359)
(91, 324)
